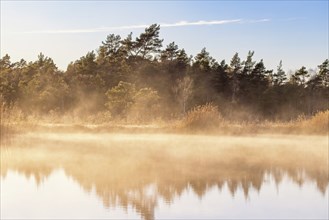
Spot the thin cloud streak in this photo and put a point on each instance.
(162, 25)
(255, 21)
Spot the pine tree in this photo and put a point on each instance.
(280, 76)
(301, 75)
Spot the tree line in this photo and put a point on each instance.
(139, 78)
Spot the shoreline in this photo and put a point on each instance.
(232, 129)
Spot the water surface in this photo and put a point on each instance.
(153, 176)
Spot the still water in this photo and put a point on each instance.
(153, 176)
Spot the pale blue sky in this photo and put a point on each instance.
(294, 31)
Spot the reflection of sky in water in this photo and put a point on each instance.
(164, 176)
(57, 197)
(290, 202)
(61, 197)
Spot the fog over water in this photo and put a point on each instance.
(154, 176)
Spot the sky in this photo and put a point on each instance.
(295, 32)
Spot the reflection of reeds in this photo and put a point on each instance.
(120, 167)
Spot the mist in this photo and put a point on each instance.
(134, 115)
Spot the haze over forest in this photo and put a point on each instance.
(140, 79)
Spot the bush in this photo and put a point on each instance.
(202, 117)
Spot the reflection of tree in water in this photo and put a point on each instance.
(137, 173)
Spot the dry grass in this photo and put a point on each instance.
(202, 117)
(319, 123)
(207, 119)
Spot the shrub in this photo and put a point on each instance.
(202, 117)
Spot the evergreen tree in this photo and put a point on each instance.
(170, 53)
(248, 64)
(301, 75)
(235, 70)
(324, 73)
(148, 44)
(221, 80)
(280, 76)
(204, 62)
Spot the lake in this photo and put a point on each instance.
(163, 176)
